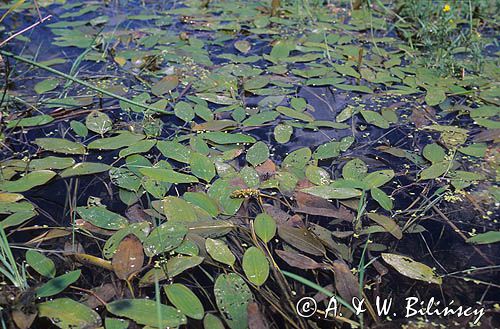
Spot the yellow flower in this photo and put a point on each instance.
(446, 8)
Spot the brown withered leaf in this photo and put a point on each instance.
(255, 318)
(84, 225)
(49, 235)
(381, 269)
(302, 239)
(23, 320)
(136, 214)
(325, 236)
(488, 135)
(422, 117)
(345, 282)
(73, 248)
(129, 257)
(280, 216)
(313, 205)
(266, 169)
(296, 221)
(298, 260)
(106, 292)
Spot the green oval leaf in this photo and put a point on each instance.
(58, 284)
(144, 311)
(255, 266)
(27, 182)
(69, 314)
(219, 251)
(258, 153)
(185, 300)
(265, 227)
(412, 269)
(41, 263)
(232, 296)
(60, 145)
(164, 238)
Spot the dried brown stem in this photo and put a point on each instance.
(25, 30)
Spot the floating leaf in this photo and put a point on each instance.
(167, 175)
(354, 169)
(165, 85)
(176, 209)
(145, 311)
(294, 114)
(219, 251)
(203, 201)
(378, 178)
(79, 128)
(212, 322)
(140, 230)
(283, 133)
(485, 238)
(329, 192)
(51, 162)
(37, 120)
(129, 258)
(317, 175)
(60, 145)
(242, 46)
(202, 167)
(383, 199)
(258, 153)
(412, 269)
(435, 96)
(301, 239)
(265, 227)
(179, 264)
(184, 111)
(58, 284)
(434, 153)
(388, 224)
(27, 182)
(112, 143)
(46, 85)
(84, 168)
(68, 314)
(434, 171)
(164, 238)
(298, 260)
(98, 122)
(375, 119)
(40, 263)
(174, 150)
(226, 138)
(298, 158)
(233, 296)
(255, 266)
(102, 217)
(210, 228)
(185, 300)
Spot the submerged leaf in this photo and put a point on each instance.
(144, 311)
(412, 269)
(68, 314)
(233, 296)
(255, 266)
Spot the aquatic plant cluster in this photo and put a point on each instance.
(238, 164)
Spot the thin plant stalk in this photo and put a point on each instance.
(83, 83)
